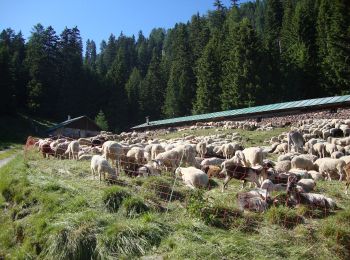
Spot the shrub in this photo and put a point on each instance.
(283, 216)
(134, 207)
(161, 187)
(113, 198)
(214, 215)
(130, 239)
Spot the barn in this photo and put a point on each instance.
(77, 127)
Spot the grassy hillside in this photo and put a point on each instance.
(54, 210)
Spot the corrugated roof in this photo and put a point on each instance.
(67, 122)
(251, 110)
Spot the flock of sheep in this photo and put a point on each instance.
(313, 150)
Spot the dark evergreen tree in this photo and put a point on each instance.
(242, 84)
(209, 80)
(42, 60)
(333, 40)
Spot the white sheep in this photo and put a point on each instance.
(112, 151)
(283, 166)
(337, 155)
(156, 149)
(212, 161)
(201, 149)
(169, 159)
(329, 166)
(320, 149)
(73, 150)
(254, 156)
(101, 166)
(193, 177)
(300, 162)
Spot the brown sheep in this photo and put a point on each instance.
(213, 171)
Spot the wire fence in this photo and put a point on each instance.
(288, 209)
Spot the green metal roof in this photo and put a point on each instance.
(251, 110)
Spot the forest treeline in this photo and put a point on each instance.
(233, 56)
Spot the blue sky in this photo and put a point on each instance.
(98, 19)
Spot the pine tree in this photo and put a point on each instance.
(333, 40)
(242, 84)
(101, 120)
(133, 88)
(208, 80)
(43, 62)
(153, 88)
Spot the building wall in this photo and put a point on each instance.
(74, 133)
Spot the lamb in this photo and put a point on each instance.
(101, 166)
(193, 177)
(329, 166)
(201, 149)
(73, 150)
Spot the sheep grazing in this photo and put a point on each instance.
(112, 151)
(46, 150)
(283, 166)
(213, 171)
(312, 199)
(212, 161)
(242, 173)
(329, 166)
(155, 150)
(300, 162)
(253, 156)
(73, 150)
(148, 169)
(169, 159)
(193, 177)
(101, 166)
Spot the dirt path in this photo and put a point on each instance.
(6, 160)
